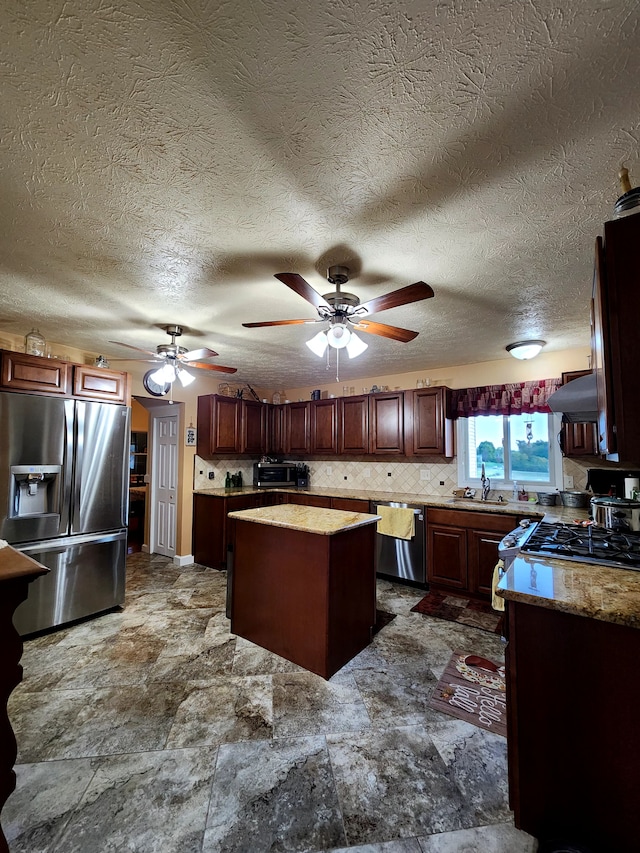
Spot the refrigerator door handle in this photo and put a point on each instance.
(78, 436)
(68, 473)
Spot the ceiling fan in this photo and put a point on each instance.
(344, 312)
(172, 360)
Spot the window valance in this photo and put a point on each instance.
(516, 398)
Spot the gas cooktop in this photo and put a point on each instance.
(590, 544)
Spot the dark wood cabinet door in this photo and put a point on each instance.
(218, 426)
(276, 429)
(616, 311)
(353, 425)
(253, 427)
(309, 500)
(350, 504)
(324, 426)
(482, 556)
(297, 428)
(425, 423)
(386, 421)
(447, 557)
(97, 383)
(21, 372)
(209, 531)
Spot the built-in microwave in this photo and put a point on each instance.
(272, 474)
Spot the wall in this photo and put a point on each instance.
(545, 366)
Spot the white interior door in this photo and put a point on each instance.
(165, 480)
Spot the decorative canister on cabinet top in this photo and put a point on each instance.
(34, 343)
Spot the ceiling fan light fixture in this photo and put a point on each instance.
(356, 346)
(338, 335)
(164, 374)
(318, 344)
(525, 349)
(185, 378)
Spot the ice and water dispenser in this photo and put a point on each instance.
(34, 491)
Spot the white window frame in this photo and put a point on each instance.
(555, 459)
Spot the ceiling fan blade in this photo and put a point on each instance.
(393, 332)
(302, 288)
(278, 323)
(219, 367)
(410, 293)
(138, 349)
(141, 360)
(204, 352)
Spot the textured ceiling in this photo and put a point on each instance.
(160, 161)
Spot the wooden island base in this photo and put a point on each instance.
(305, 595)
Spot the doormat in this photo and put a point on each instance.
(464, 611)
(382, 619)
(473, 692)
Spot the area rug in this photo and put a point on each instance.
(382, 618)
(464, 611)
(473, 692)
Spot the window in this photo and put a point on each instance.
(513, 448)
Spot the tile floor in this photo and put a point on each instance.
(155, 729)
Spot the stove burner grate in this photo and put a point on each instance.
(591, 544)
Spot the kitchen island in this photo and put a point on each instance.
(17, 571)
(573, 700)
(303, 583)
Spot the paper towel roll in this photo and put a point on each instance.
(630, 484)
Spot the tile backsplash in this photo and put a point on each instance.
(437, 477)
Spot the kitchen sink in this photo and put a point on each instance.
(480, 503)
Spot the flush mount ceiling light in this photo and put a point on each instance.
(525, 349)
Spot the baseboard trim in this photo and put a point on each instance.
(183, 560)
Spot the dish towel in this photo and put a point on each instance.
(496, 601)
(396, 521)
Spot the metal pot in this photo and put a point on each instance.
(575, 498)
(617, 514)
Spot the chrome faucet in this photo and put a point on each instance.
(486, 485)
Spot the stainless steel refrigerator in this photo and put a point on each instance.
(63, 501)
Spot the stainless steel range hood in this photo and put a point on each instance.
(577, 401)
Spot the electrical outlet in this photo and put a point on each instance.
(329, 469)
(442, 482)
(568, 482)
(388, 473)
(425, 474)
(212, 474)
(366, 472)
(201, 472)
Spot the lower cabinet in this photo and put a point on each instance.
(309, 500)
(572, 728)
(350, 504)
(462, 549)
(212, 529)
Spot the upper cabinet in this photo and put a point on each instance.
(428, 431)
(398, 423)
(253, 427)
(297, 428)
(324, 426)
(353, 425)
(386, 423)
(615, 320)
(50, 376)
(218, 426)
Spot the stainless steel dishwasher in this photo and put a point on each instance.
(402, 559)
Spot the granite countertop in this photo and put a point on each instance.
(310, 519)
(584, 589)
(14, 564)
(523, 508)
